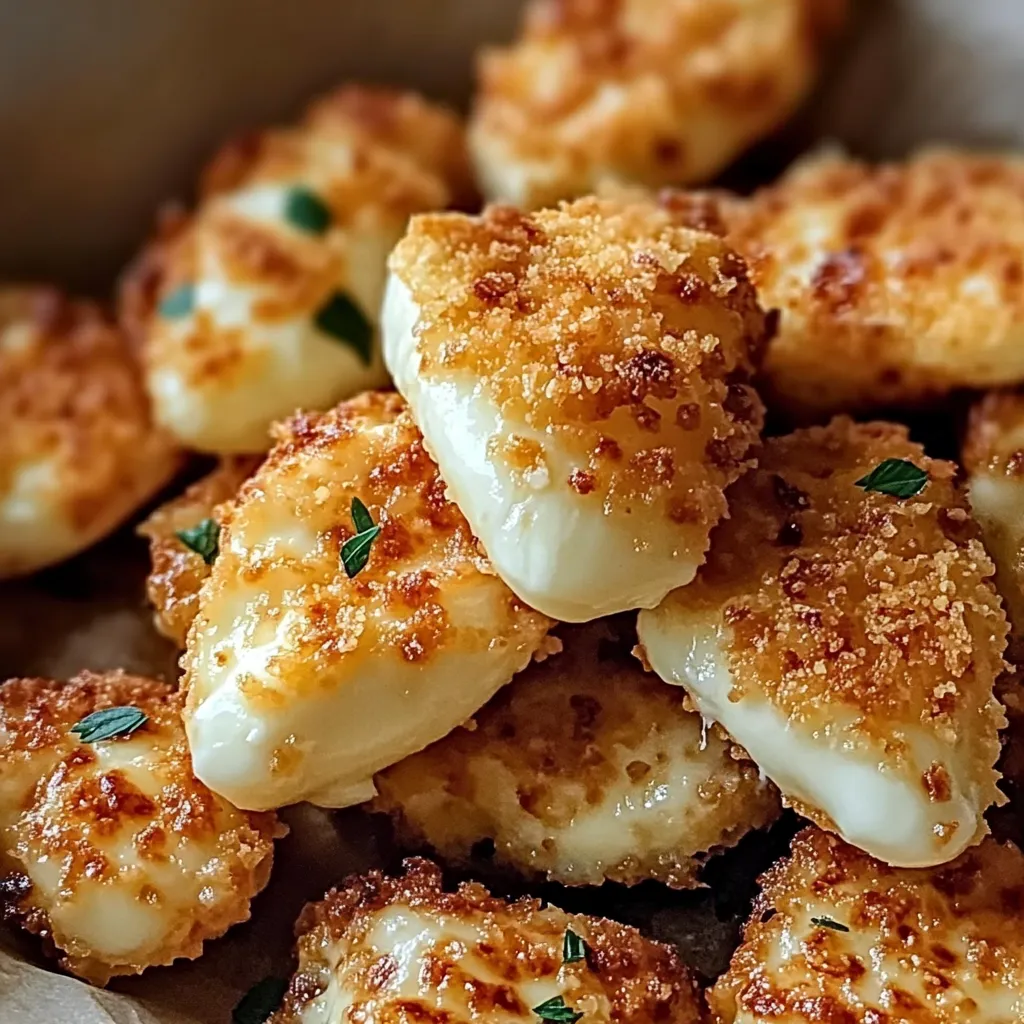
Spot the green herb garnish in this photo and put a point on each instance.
(260, 1001)
(573, 948)
(556, 1010)
(342, 319)
(896, 477)
(307, 211)
(355, 552)
(203, 539)
(178, 303)
(108, 723)
(827, 922)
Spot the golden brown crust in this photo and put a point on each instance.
(896, 283)
(76, 416)
(652, 92)
(994, 442)
(477, 957)
(177, 572)
(584, 768)
(107, 838)
(935, 946)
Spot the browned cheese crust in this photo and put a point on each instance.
(478, 958)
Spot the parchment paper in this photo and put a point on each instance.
(107, 108)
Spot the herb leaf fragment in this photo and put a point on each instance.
(895, 477)
(556, 1011)
(827, 922)
(344, 321)
(574, 948)
(203, 539)
(305, 210)
(109, 723)
(355, 552)
(256, 1006)
(178, 303)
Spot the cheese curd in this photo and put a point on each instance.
(581, 377)
(176, 570)
(837, 936)
(111, 850)
(583, 769)
(657, 92)
(896, 284)
(78, 449)
(849, 639)
(267, 299)
(303, 682)
(382, 949)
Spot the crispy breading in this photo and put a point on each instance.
(657, 92)
(78, 449)
(582, 377)
(850, 640)
(112, 851)
(583, 769)
(303, 682)
(284, 299)
(176, 571)
(897, 284)
(381, 949)
(838, 938)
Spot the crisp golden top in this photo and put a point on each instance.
(75, 415)
(606, 321)
(114, 838)
(651, 91)
(473, 957)
(177, 572)
(896, 283)
(994, 443)
(584, 768)
(936, 946)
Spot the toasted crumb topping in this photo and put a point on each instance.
(994, 443)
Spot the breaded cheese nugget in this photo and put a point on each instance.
(993, 455)
(78, 448)
(845, 631)
(580, 375)
(182, 536)
(836, 936)
(110, 848)
(657, 92)
(896, 284)
(303, 681)
(584, 769)
(388, 949)
(267, 299)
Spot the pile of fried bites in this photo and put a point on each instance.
(559, 592)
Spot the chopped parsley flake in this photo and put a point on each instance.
(344, 321)
(556, 1011)
(306, 211)
(256, 1006)
(109, 723)
(574, 948)
(355, 552)
(895, 477)
(203, 539)
(179, 302)
(827, 922)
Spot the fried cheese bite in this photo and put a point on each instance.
(78, 448)
(583, 769)
(993, 455)
(838, 936)
(653, 92)
(845, 631)
(581, 376)
(182, 536)
(382, 949)
(267, 299)
(896, 284)
(307, 671)
(110, 849)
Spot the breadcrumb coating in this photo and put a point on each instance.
(866, 623)
(78, 449)
(303, 682)
(383, 949)
(656, 92)
(583, 367)
(583, 769)
(176, 571)
(112, 851)
(937, 946)
(267, 298)
(896, 283)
